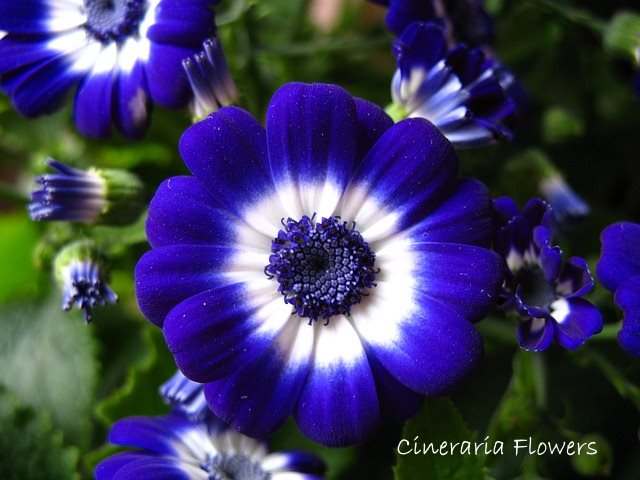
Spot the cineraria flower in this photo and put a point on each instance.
(210, 79)
(469, 21)
(619, 271)
(542, 290)
(124, 54)
(186, 397)
(568, 207)
(81, 274)
(172, 447)
(458, 90)
(92, 196)
(329, 267)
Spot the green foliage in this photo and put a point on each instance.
(438, 422)
(30, 447)
(622, 34)
(48, 362)
(18, 237)
(594, 465)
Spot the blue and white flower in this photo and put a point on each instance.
(91, 196)
(539, 288)
(568, 207)
(173, 447)
(619, 271)
(328, 267)
(186, 397)
(459, 91)
(82, 275)
(124, 55)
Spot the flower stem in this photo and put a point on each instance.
(579, 16)
(609, 332)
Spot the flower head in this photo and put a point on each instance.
(539, 288)
(92, 196)
(459, 91)
(568, 207)
(328, 267)
(124, 54)
(82, 277)
(174, 447)
(619, 271)
(210, 79)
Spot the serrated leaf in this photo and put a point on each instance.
(30, 448)
(139, 393)
(438, 423)
(47, 361)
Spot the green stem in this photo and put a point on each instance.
(539, 370)
(621, 383)
(579, 16)
(609, 332)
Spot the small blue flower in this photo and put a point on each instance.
(568, 208)
(83, 279)
(93, 196)
(186, 397)
(124, 54)
(542, 290)
(173, 447)
(458, 90)
(210, 79)
(619, 271)
(328, 267)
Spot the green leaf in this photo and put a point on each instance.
(30, 448)
(47, 361)
(439, 422)
(139, 393)
(622, 34)
(18, 236)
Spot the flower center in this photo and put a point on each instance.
(233, 467)
(113, 20)
(322, 268)
(534, 289)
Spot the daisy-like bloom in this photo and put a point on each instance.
(173, 447)
(92, 196)
(328, 267)
(186, 397)
(124, 54)
(619, 271)
(210, 79)
(458, 91)
(81, 274)
(539, 288)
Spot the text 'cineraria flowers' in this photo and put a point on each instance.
(459, 91)
(124, 54)
(619, 271)
(539, 288)
(174, 447)
(328, 267)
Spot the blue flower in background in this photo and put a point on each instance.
(568, 207)
(173, 447)
(459, 91)
(542, 290)
(124, 54)
(619, 271)
(186, 397)
(328, 267)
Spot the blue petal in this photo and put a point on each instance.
(257, 399)
(108, 468)
(465, 217)
(166, 276)
(411, 170)
(403, 12)
(182, 23)
(429, 347)
(183, 212)
(620, 256)
(25, 16)
(293, 461)
(166, 77)
(372, 123)
(214, 333)
(227, 153)
(465, 278)
(158, 435)
(628, 298)
(312, 135)
(16, 53)
(574, 279)
(157, 468)
(576, 321)
(339, 404)
(132, 102)
(535, 334)
(92, 108)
